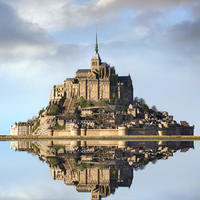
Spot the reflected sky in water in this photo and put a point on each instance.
(153, 170)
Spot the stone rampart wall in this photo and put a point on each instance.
(61, 133)
(102, 132)
(122, 131)
(142, 131)
(24, 130)
(177, 131)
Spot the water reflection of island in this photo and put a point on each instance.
(99, 167)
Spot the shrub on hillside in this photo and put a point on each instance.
(36, 149)
(54, 161)
(89, 103)
(59, 127)
(54, 110)
(41, 111)
(116, 101)
(145, 108)
(82, 102)
(37, 124)
(103, 102)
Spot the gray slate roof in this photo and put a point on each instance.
(83, 70)
(123, 78)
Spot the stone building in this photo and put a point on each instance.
(99, 82)
(21, 128)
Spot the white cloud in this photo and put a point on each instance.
(64, 14)
(27, 52)
(141, 32)
(19, 37)
(53, 15)
(28, 48)
(104, 3)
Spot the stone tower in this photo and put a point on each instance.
(96, 60)
(98, 82)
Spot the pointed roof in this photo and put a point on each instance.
(96, 45)
(96, 53)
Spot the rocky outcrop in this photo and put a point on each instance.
(46, 123)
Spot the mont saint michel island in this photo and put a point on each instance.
(99, 102)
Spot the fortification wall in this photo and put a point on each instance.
(142, 131)
(122, 131)
(61, 133)
(25, 130)
(85, 132)
(177, 131)
(102, 132)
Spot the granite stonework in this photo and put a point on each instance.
(99, 102)
(99, 82)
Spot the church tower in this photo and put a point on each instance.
(96, 60)
(98, 82)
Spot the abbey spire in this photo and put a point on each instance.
(96, 52)
(96, 45)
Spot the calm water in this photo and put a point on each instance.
(99, 169)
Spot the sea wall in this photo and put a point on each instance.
(176, 131)
(25, 130)
(142, 131)
(122, 131)
(59, 133)
(102, 132)
(84, 132)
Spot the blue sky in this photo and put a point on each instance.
(44, 42)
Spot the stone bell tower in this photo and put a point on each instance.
(96, 60)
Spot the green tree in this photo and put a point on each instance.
(54, 109)
(83, 102)
(114, 95)
(139, 100)
(36, 125)
(41, 111)
(103, 102)
(59, 127)
(145, 108)
(89, 103)
(154, 108)
(54, 161)
(116, 101)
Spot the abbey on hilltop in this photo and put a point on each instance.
(98, 102)
(99, 82)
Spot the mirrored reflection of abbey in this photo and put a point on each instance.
(99, 102)
(99, 167)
